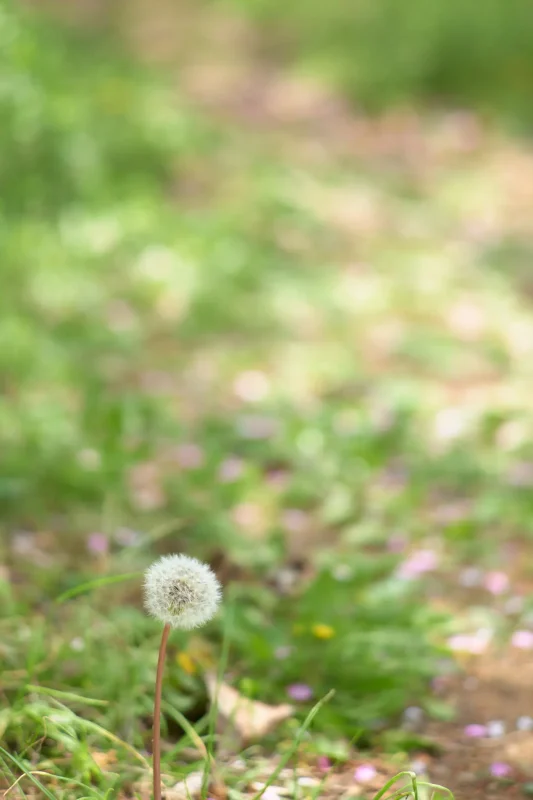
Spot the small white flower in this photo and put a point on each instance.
(181, 591)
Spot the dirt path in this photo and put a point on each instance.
(495, 694)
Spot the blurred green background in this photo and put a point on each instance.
(411, 52)
(265, 298)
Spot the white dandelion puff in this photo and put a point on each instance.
(181, 591)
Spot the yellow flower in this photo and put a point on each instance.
(201, 652)
(186, 663)
(322, 631)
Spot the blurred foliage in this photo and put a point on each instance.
(73, 131)
(91, 150)
(410, 51)
(84, 149)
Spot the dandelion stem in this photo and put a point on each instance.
(156, 741)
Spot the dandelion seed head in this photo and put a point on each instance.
(181, 591)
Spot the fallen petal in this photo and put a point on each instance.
(365, 773)
(250, 718)
(523, 640)
(187, 789)
(475, 731)
(499, 769)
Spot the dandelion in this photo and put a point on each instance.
(181, 592)
(322, 631)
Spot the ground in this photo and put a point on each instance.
(294, 340)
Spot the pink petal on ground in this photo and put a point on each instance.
(418, 563)
(365, 773)
(475, 643)
(496, 582)
(475, 731)
(523, 640)
(499, 769)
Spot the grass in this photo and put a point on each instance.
(301, 369)
(408, 53)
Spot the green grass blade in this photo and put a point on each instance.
(88, 586)
(75, 698)
(213, 711)
(286, 758)
(390, 784)
(189, 729)
(89, 725)
(28, 774)
(437, 787)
